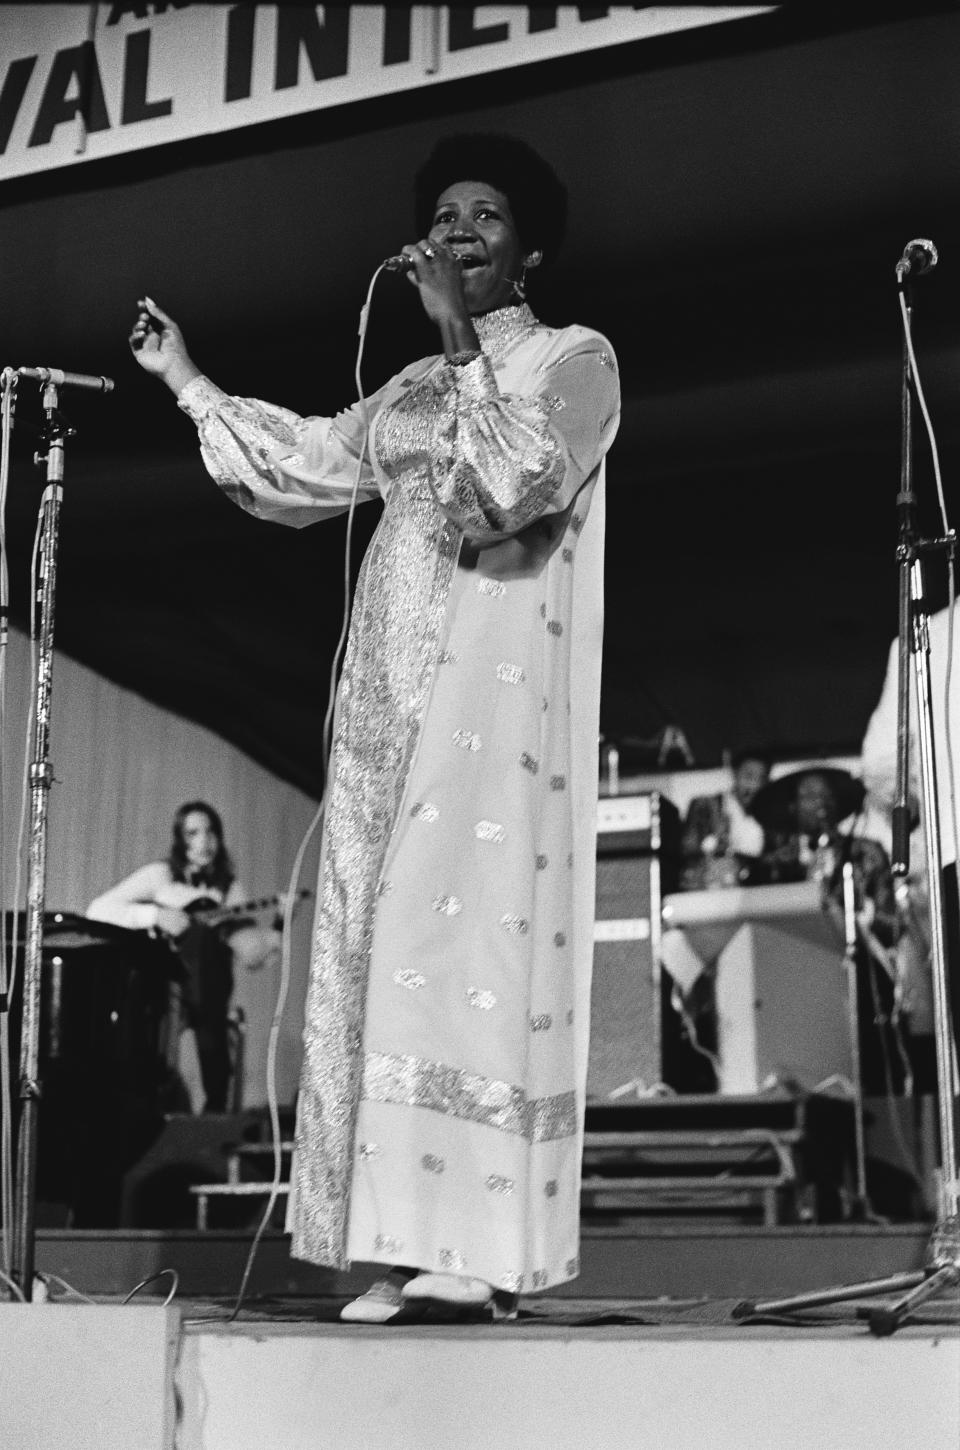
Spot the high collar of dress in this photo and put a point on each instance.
(499, 330)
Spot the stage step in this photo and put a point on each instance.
(203, 1192)
(632, 1258)
(715, 1169)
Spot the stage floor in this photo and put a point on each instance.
(645, 1349)
(569, 1374)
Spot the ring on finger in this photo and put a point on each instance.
(429, 252)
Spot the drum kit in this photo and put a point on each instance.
(108, 1028)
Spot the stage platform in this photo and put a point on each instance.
(646, 1348)
(568, 1375)
(587, 1388)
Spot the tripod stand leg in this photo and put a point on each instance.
(819, 1297)
(886, 1319)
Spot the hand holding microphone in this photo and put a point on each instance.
(437, 273)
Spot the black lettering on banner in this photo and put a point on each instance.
(142, 12)
(299, 27)
(463, 31)
(11, 96)
(544, 17)
(135, 12)
(136, 70)
(239, 78)
(76, 64)
(396, 34)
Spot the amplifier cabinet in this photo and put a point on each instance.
(625, 1028)
(777, 962)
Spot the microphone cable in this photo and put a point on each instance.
(294, 880)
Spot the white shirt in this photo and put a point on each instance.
(880, 742)
(746, 833)
(135, 902)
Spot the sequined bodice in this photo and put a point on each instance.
(408, 430)
(499, 331)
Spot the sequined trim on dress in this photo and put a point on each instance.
(395, 634)
(499, 332)
(418, 1083)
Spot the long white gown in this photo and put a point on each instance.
(440, 1114)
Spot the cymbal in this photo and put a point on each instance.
(773, 805)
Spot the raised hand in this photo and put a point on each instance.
(159, 347)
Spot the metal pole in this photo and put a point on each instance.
(30, 1088)
(853, 1027)
(948, 1200)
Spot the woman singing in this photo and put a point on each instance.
(440, 1114)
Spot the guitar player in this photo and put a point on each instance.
(190, 898)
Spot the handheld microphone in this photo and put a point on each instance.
(61, 379)
(403, 263)
(919, 256)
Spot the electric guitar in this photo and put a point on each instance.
(207, 912)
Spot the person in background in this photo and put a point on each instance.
(722, 841)
(879, 762)
(168, 898)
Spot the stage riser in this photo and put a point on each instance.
(697, 1262)
(460, 1389)
(77, 1377)
(88, 1377)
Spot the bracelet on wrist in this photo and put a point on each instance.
(460, 359)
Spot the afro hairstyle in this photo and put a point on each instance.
(537, 196)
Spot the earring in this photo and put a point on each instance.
(520, 288)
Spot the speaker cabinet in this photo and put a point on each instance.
(625, 1026)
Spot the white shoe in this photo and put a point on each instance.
(457, 1289)
(383, 1303)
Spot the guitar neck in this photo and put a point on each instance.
(216, 915)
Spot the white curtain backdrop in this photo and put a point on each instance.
(121, 768)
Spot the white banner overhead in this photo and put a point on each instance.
(81, 82)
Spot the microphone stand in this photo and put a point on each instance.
(942, 1268)
(54, 431)
(853, 1027)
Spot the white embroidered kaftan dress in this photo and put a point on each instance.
(445, 1048)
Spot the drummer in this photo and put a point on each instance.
(159, 897)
